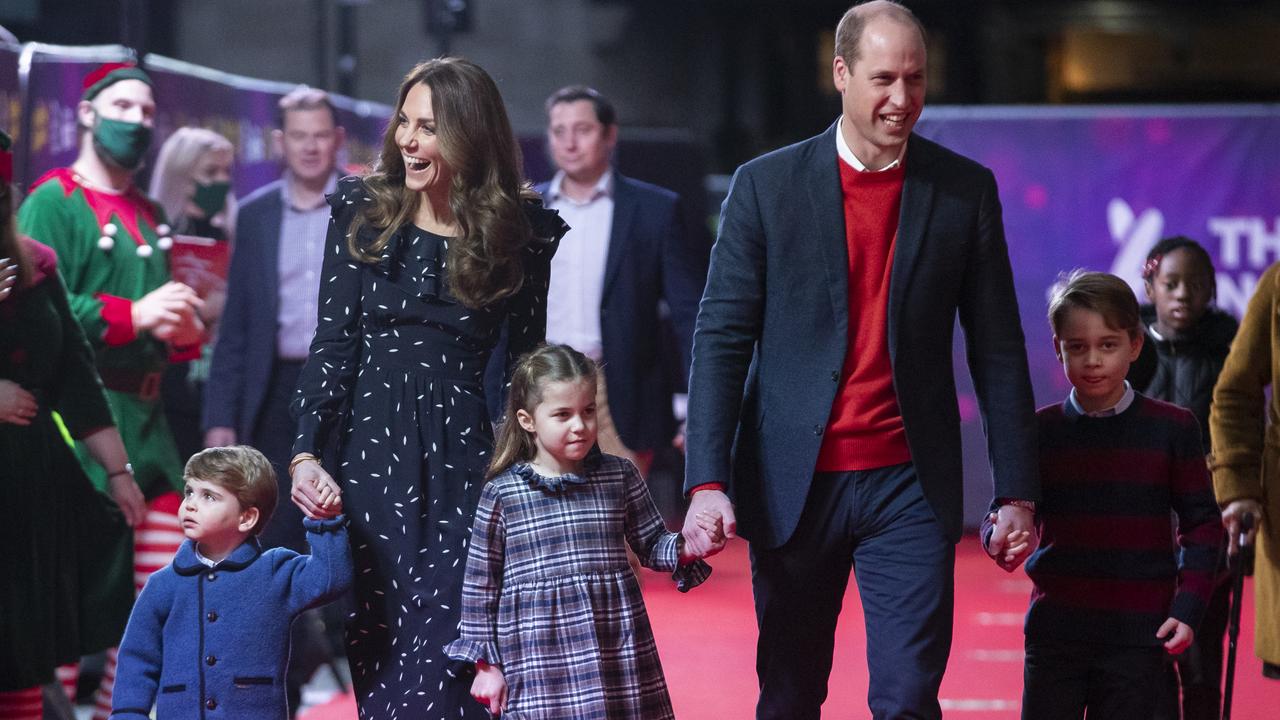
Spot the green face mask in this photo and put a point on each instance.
(122, 143)
(211, 198)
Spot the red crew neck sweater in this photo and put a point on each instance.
(865, 428)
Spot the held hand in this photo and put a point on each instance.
(1179, 633)
(314, 491)
(125, 491)
(164, 306)
(713, 503)
(490, 688)
(17, 406)
(1014, 538)
(219, 437)
(1232, 517)
(8, 277)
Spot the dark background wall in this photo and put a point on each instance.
(735, 77)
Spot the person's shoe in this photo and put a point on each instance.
(1271, 670)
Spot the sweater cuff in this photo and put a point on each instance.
(321, 527)
(1187, 608)
(117, 313)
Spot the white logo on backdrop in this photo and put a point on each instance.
(1136, 235)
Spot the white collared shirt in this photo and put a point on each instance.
(577, 270)
(1125, 401)
(842, 149)
(301, 251)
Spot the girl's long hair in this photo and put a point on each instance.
(545, 364)
(172, 183)
(10, 246)
(482, 266)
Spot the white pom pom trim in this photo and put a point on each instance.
(144, 251)
(106, 242)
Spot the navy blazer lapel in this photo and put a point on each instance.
(625, 205)
(271, 249)
(913, 224)
(827, 210)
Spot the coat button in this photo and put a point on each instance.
(211, 703)
(817, 429)
(211, 660)
(212, 576)
(213, 616)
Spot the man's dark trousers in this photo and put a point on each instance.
(877, 523)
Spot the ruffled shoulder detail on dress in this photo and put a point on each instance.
(590, 464)
(548, 227)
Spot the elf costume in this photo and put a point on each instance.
(112, 249)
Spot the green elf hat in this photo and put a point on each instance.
(108, 74)
(6, 159)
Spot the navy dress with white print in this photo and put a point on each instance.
(396, 369)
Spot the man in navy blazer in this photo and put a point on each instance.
(822, 395)
(272, 289)
(625, 256)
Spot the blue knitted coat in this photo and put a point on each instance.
(209, 643)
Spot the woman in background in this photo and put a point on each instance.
(192, 182)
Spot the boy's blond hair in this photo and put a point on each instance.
(241, 470)
(1103, 293)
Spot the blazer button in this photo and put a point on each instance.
(835, 376)
(211, 661)
(211, 703)
(817, 429)
(213, 617)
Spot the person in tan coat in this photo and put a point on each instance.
(1246, 454)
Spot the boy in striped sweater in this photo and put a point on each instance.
(1111, 594)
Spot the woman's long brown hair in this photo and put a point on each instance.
(546, 364)
(482, 266)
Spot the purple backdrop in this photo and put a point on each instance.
(1096, 188)
(243, 109)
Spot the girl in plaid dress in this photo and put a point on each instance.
(552, 615)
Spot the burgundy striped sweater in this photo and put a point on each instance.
(1106, 569)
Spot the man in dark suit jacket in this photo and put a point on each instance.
(625, 256)
(272, 290)
(822, 394)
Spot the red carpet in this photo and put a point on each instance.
(707, 641)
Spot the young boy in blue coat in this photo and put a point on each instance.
(209, 634)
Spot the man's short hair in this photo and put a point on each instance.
(854, 23)
(306, 98)
(573, 93)
(242, 471)
(1103, 293)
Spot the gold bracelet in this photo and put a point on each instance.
(300, 458)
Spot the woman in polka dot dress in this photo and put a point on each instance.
(429, 259)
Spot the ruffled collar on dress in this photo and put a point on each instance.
(558, 483)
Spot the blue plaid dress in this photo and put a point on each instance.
(549, 597)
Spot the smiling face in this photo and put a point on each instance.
(1181, 291)
(212, 516)
(425, 169)
(563, 423)
(1095, 357)
(882, 93)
